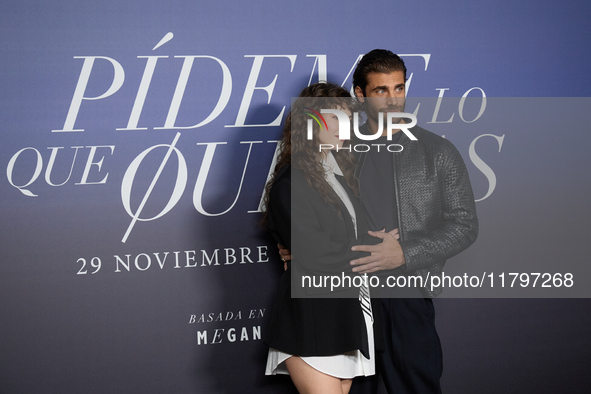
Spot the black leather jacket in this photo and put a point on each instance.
(436, 209)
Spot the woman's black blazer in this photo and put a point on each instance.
(320, 236)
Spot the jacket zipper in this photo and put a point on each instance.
(395, 164)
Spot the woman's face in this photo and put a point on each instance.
(330, 135)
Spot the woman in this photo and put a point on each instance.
(311, 208)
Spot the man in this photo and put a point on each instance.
(421, 195)
(422, 201)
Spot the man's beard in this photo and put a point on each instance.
(374, 113)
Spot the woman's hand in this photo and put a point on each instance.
(285, 255)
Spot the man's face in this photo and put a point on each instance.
(384, 93)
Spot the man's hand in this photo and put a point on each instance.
(384, 256)
(284, 254)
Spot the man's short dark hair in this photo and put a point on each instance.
(376, 61)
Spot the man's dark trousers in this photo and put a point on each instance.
(410, 361)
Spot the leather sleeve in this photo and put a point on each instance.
(458, 224)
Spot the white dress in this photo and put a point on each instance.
(353, 363)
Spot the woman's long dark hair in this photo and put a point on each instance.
(299, 152)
